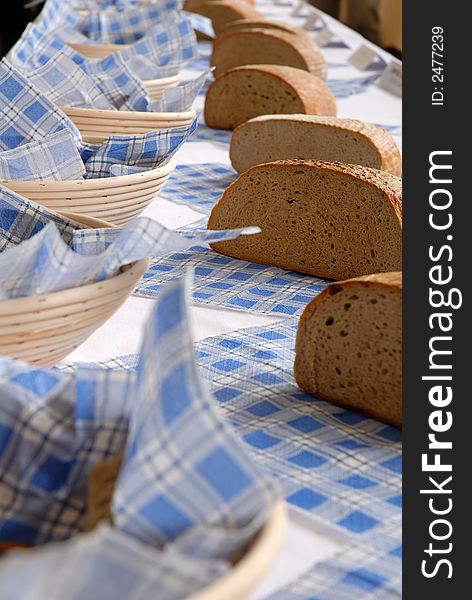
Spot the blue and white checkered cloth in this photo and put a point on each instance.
(234, 284)
(58, 14)
(201, 24)
(179, 98)
(118, 77)
(186, 485)
(30, 117)
(116, 26)
(165, 48)
(45, 262)
(27, 115)
(338, 465)
(53, 158)
(124, 26)
(370, 569)
(216, 136)
(127, 154)
(21, 218)
(66, 84)
(199, 186)
(49, 60)
(161, 48)
(345, 88)
(104, 565)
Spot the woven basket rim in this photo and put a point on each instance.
(162, 81)
(77, 294)
(253, 565)
(128, 114)
(90, 184)
(111, 47)
(74, 295)
(84, 121)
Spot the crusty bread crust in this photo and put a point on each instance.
(393, 283)
(311, 58)
(381, 141)
(242, 24)
(311, 90)
(391, 280)
(225, 11)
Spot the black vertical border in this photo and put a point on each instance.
(430, 128)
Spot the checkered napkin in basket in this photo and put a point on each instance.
(49, 60)
(164, 50)
(161, 48)
(124, 26)
(28, 116)
(187, 486)
(56, 158)
(125, 155)
(105, 565)
(201, 24)
(113, 82)
(179, 98)
(37, 141)
(66, 84)
(45, 262)
(120, 25)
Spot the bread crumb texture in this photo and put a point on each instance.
(327, 219)
(349, 346)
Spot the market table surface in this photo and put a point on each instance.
(306, 542)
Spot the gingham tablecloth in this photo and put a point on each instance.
(367, 563)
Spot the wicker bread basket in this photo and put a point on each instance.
(98, 51)
(113, 199)
(95, 125)
(44, 329)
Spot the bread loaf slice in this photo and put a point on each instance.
(224, 11)
(264, 46)
(250, 91)
(279, 137)
(243, 24)
(349, 346)
(327, 219)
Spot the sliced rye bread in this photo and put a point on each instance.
(246, 92)
(308, 137)
(327, 219)
(349, 346)
(243, 24)
(266, 46)
(224, 11)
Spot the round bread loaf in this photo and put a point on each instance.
(246, 92)
(266, 46)
(349, 346)
(224, 11)
(284, 137)
(327, 219)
